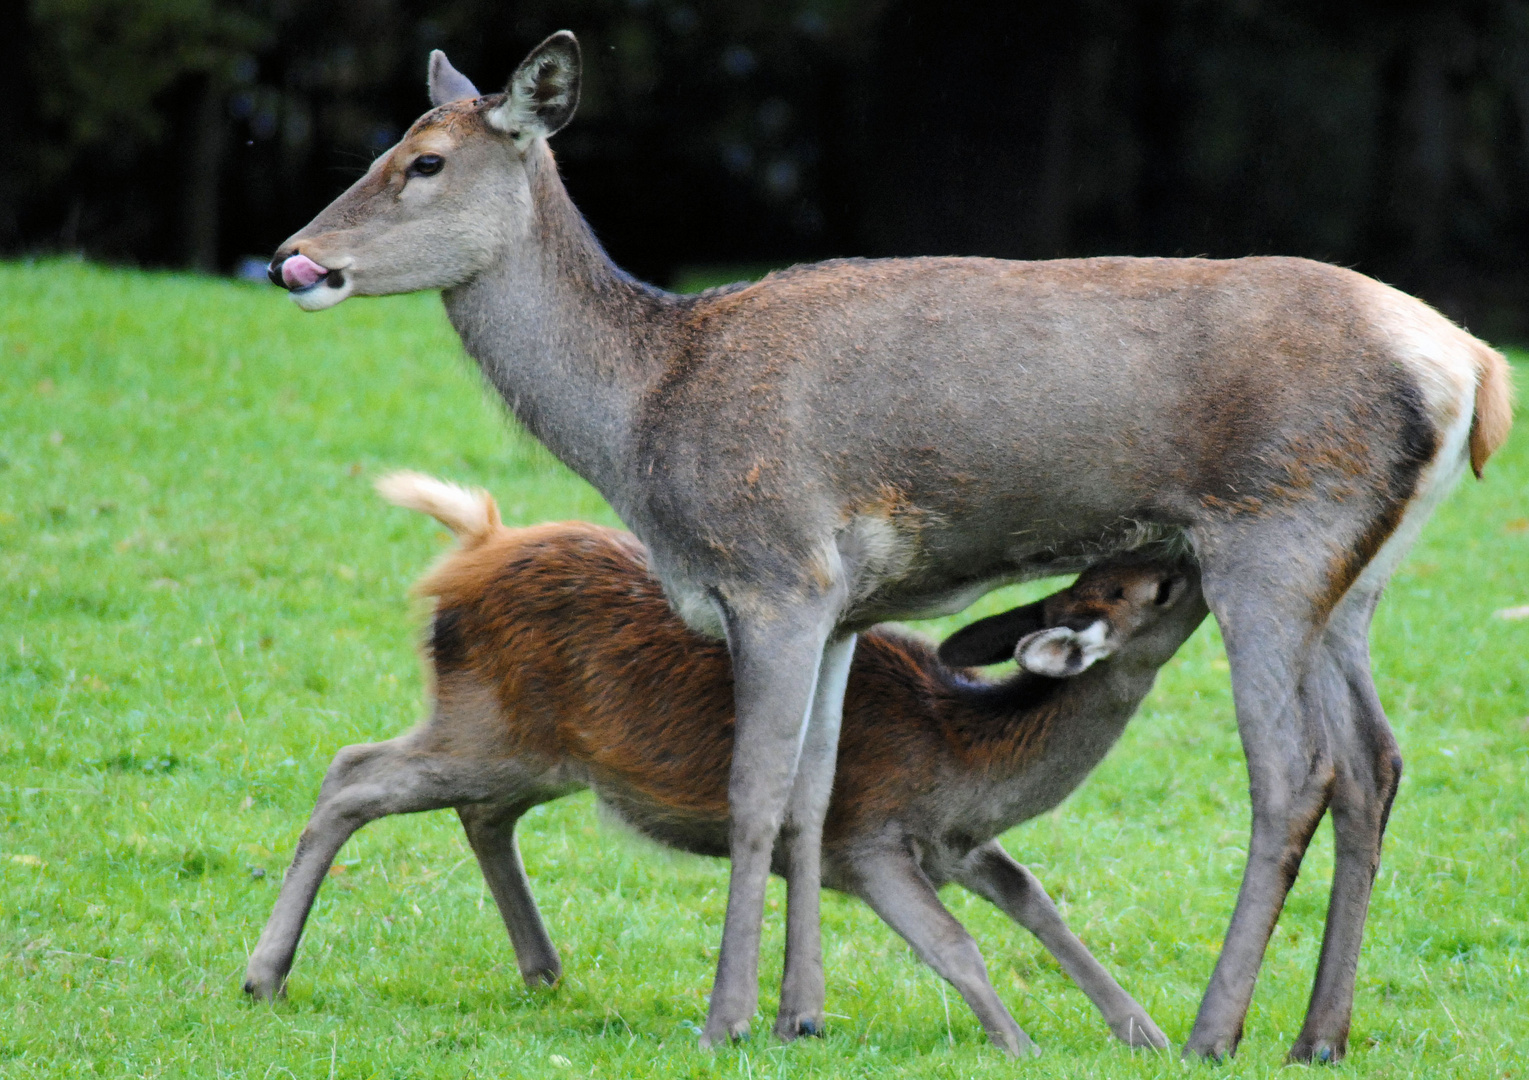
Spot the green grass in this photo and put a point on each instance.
(201, 600)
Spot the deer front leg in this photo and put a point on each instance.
(775, 664)
(992, 874)
(365, 782)
(801, 989)
(491, 833)
(894, 886)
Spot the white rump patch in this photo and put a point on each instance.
(1441, 357)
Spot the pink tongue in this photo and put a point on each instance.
(300, 271)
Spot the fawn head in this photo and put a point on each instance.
(440, 206)
(1127, 605)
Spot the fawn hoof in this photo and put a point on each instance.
(1140, 1033)
(1027, 1048)
(1015, 1043)
(1214, 1051)
(540, 977)
(1315, 1051)
(265, 986)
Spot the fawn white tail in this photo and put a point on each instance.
(472, 515)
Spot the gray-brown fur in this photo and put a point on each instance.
(860, 440)
(557, 665)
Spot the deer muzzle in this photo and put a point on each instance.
(312, 285)
(297, 271)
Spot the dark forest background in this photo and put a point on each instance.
(1393, 137)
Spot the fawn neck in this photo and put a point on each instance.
(1013, 725)
(570, 341)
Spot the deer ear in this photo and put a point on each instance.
(1061, 652)
(543, 92)
(992, 640)
(446, 83)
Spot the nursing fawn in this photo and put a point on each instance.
(558, 665)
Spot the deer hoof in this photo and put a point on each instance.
(1028, 1048)
(1140, 1033)
(1214, 1051)
(542, 977)
(789, 1027)
(1316, 1051)
(1015, 1043)
(719, 1035)
(265, 987)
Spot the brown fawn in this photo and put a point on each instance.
(558, 665)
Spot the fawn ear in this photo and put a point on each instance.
(1061, 652)
(992, 640)
(446, 83)
(543, 92)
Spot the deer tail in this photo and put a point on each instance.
(1494, 405)
(471, 514)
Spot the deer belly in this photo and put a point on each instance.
(948, 576)
(692, 829)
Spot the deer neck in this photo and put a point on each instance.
(1029, 720)
(570, 341)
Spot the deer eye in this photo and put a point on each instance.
(1164, 592)
(1119, 593)
(426, 165)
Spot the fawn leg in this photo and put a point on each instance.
(894, 886)
(775, 657)
(992, 874)
(801, 990)
(491, 832)
(365, 782)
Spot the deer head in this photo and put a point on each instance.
(1112, 607)
(441, 205)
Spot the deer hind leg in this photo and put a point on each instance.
(1268, 605)
(892, 883)
(775, 664)
(802, 990)
(365, 782)
(1368, 770)
(491, 832)
(994, 875)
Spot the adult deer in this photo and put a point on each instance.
(556, 666)
(853, 441)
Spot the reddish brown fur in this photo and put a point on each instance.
(578, 641)
(589, 665)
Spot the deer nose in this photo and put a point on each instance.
(295, 271)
